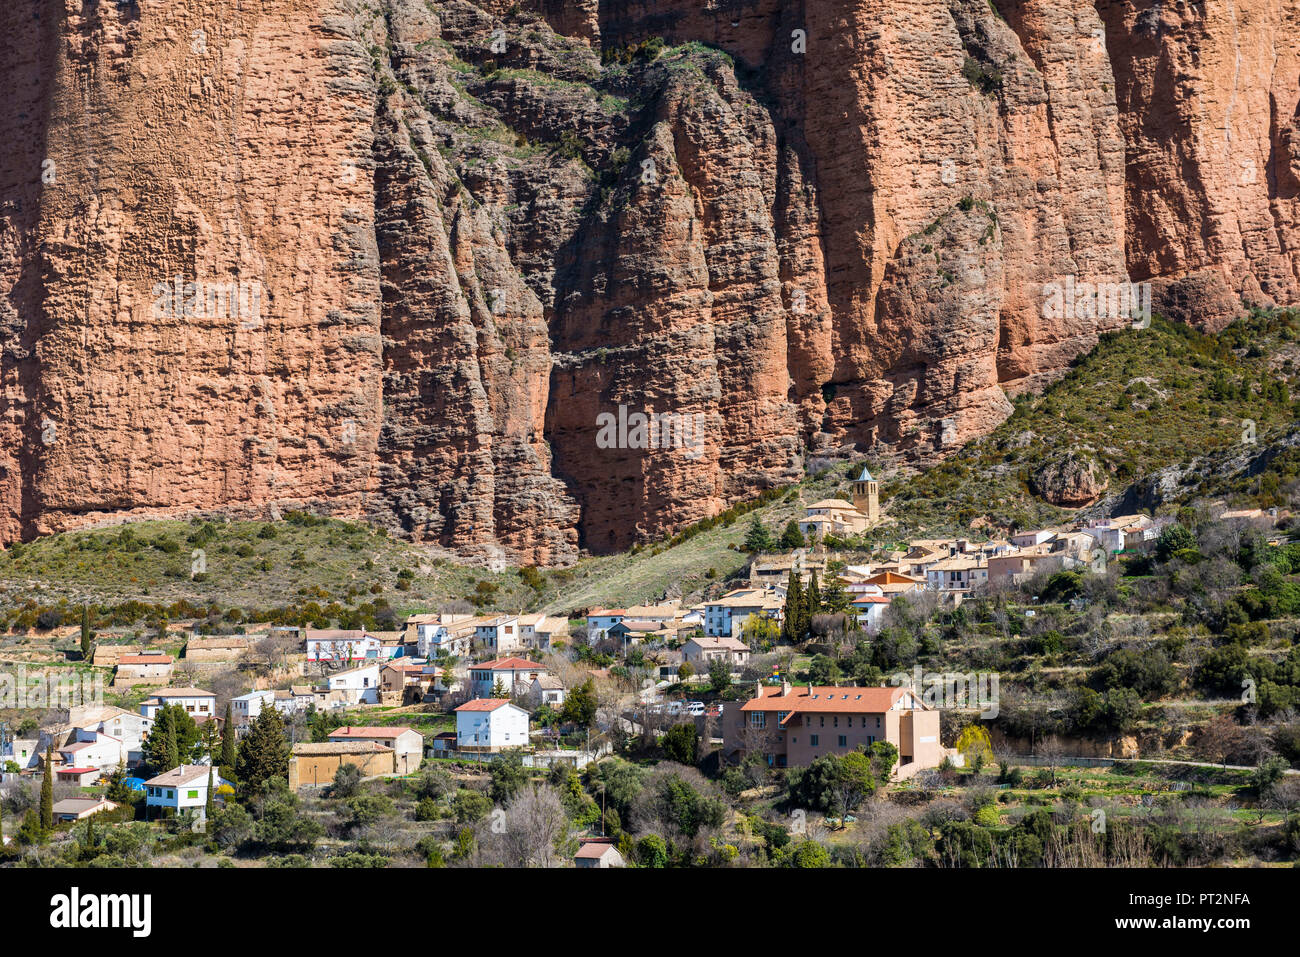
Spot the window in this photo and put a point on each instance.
(758, 719)
(823, 721)
(836, 719)
(813, 740)
(191, 794)
(170, 793)
(844, 741)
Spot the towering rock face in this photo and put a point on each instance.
(431, 263)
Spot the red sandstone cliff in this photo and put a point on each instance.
(471, 229)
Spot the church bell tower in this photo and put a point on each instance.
(866, 495)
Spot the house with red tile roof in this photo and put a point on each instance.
(793, 726)
(509, 672)
(490, 724)
(598, 852)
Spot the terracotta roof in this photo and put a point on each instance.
(183, 693)
(145, 660)
(893, 578)
(825, 700)
(78, 805)
(179, 777)
(606, 612)
(721, 641)
(372, 732)
(509, 664)
(338, 747)
(484, 704)
(595, 850)
(74, 770)
(834, 503)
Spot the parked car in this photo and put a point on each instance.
(674, 707)
(695, 707)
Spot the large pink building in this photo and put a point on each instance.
(792, 726)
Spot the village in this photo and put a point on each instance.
(548, 694)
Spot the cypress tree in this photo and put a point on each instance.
(228, 752)
(47, 791)
(794, 610)
(173, 751)
(207, 807)
(85, 633)
(814, 597)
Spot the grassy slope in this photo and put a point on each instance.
(1166, 415)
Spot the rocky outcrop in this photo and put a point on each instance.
(476, 241)
(1073, 481)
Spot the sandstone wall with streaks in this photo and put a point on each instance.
(811, 228)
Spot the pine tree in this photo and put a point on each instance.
(47, 791)
(86, 634)
(228, 752)
(792, 538)
(173, 751)
(794, 610)
(264, 753)
(758, 538)
(836, 599)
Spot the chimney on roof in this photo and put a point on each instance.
(758, 688)
(785, 685)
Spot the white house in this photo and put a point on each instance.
(490, 724)
(958, 575)
(93, 749)
(199, 704)
(509, 672)
(601, 621)
(358, 685)
(702, 651)
(538, 631)
(24, 752)
(727, 615)
(500, 634)
(342, 645)
(181, 789)
(298, 698)
(546, 689)
(246, 708)
(436, 633)
(126, 726)
(870, 611)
